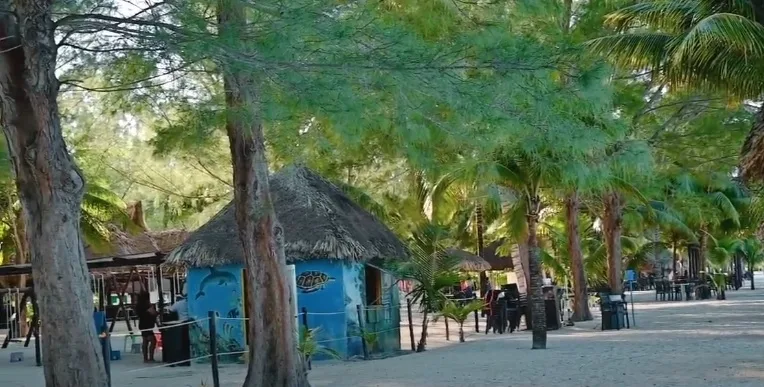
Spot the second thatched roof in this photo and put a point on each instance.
(318, 219)
(468, 261)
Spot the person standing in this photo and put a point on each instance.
(147, 317)
(180, 309)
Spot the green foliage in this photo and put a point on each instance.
(430, 270)
(308, 346)
(459, 313)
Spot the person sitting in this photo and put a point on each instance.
(147, 316)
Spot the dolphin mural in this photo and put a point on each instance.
(215, 278)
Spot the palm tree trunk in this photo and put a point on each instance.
(581, 310)
(273, 356)
(675, 258)
(422, 344)
(752, 154)
(480, 246)
(50, 188)
(750, 265)
(703, 245)
(612, 224)
(536, 299)
(461, 332)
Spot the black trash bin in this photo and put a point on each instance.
(613, 313)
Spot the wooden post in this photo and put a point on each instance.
(411, 325)
(101, 302)
(448, 334)
(121, 305)
(37, 354)
(363, 332)
(214, 349)
(477, 322)
(307, 328)
(160, 290)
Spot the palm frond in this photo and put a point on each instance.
(638, 51)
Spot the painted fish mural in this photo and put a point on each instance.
(215, 278)
(312, 281)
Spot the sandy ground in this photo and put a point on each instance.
(708, 343)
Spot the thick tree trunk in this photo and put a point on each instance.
(536, 299)
(273, 356)
(612, 223)
(50, 189)
(581, 310)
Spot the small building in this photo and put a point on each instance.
(336, 248)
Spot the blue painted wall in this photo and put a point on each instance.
(219, 290)
(330, 290)
(324, 299)
(355, 294)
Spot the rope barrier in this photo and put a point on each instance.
(353, 336)
(166, 364)
(137, 332)
(386, 307)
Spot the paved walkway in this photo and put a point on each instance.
(696, 343)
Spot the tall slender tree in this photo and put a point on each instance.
(50, 188)
(273, 359)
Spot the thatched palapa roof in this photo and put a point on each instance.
(498, 261)
(124, 243)
(468, 261)
(318, 219)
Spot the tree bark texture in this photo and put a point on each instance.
(273, 357)
(581, 310)
(480, 246)
(50, 188)
(752, 154)
(674, 259)
(536, 299)
(422, 344)
(612, 224)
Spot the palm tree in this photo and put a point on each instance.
(721, 254)
(753, 255)
(704, 44)
(526, 174)
(460, 313)
(431, 270)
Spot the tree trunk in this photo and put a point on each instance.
(273, 356)
(612, 222)
(480, 246)
(751, 270)
(22, 257)
(50, 188)
(536, 299)
(581, 310)
(422, 344)
(674, 259)
(461, 332)
(752, 155)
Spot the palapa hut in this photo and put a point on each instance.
(468, 261)
(329, 239)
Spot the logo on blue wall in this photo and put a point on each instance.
(312, 281)
(215, 278)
